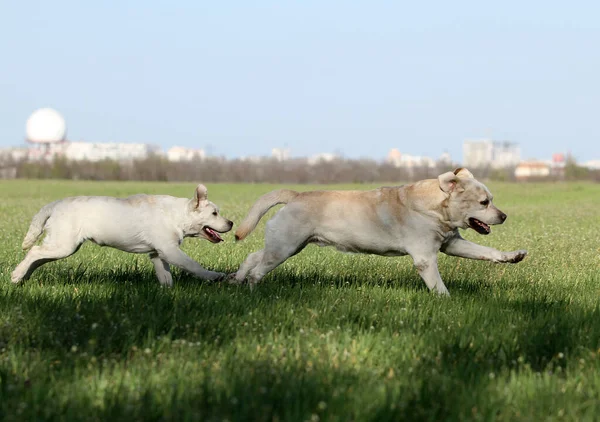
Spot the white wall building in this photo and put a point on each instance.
(445, 159)
(252, 158)
(280, 154)
(13, 154)
(88, 151)
(185, 154)
(592, 165)
(322, 157)
(397, 159)
(488, 153)
(532, 169)
(79, 151)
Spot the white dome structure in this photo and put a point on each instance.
(45, 126)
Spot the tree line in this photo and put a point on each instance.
(216, 169)
(265, 170)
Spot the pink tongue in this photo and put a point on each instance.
(214, 233)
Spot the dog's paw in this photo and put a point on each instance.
(441, 291)
(231, 279)
(516, 256)
(16, 277)
(219, 277)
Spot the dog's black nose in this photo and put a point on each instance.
(231, 223)
(503, 216)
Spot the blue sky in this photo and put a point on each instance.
(315, 76)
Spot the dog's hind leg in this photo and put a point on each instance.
(270, 260)
(40, 255)
(251, 261)
(285, 236)
(279, 246)
(163, 271)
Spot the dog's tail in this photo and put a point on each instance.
(260, 208)
(37, 225)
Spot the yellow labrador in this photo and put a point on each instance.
(419, 220)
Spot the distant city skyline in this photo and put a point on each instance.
(48, 126)
(46, 129)
(239, 79)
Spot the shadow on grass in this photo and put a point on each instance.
(108, 315)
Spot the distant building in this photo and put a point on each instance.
(532, 170)
(252, 158)
(80, 151)
(13, 154)
(397, 159)
(177, 154)
(540, 169)
(46, 152)
(280, 154)
(46, 129)
(322, 157)
(557, 165)
(592, 165)
(98, 151)
(445, 159)
(488, 153)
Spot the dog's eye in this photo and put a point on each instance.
(485, 202)
(214, 213)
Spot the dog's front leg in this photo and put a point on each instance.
(457, 246)
(428, 270)
(177, 257)
(163, 271)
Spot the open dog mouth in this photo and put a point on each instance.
(212, 235)
(479, 226)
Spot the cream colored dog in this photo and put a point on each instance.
(153, 224)
(417, 220)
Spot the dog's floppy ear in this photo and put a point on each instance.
(463, 173)
(200, 195)
(448, 181)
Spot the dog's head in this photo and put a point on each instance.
(204, 218)
(469, 202)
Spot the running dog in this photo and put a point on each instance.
(419, 220)
(152, 224)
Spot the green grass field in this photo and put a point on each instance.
(326, 336)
